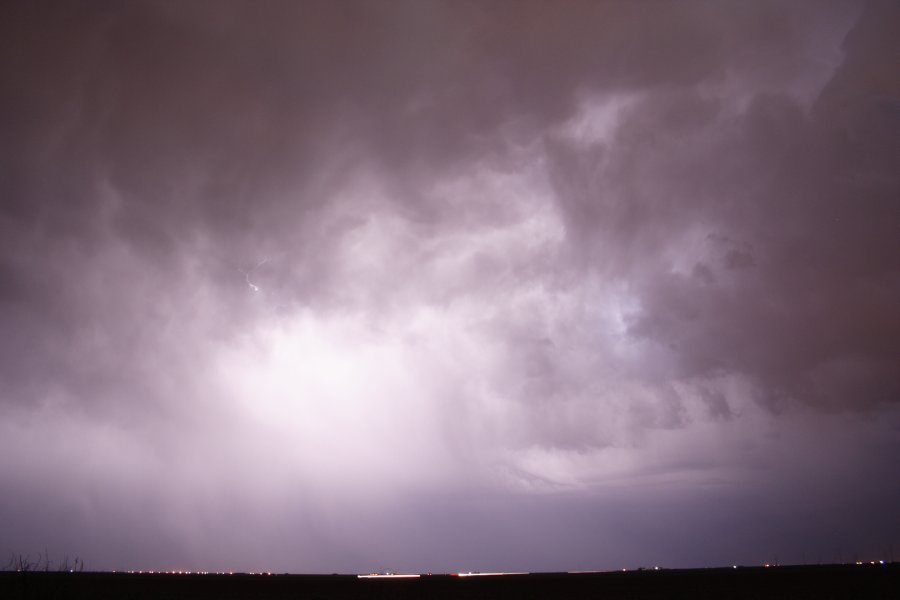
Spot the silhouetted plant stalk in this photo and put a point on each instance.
(23, 563)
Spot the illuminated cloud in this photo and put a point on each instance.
(443, 286)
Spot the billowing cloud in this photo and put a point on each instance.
(434, 285)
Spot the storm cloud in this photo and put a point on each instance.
(320, 286)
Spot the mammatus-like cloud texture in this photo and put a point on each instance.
(433, 285)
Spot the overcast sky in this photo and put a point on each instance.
(434, 286)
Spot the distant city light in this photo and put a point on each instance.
(471, 574)
(583, 572)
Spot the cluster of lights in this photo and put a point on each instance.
(471, 574)
(416, 575)
(390, 575)
(192, 572)
(170, 572)
(624, 570)
(584, 572)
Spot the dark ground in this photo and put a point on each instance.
(819, 582)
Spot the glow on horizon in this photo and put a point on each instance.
(470, 574)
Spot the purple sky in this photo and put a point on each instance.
(432, 286)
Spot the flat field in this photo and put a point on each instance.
(792, 582)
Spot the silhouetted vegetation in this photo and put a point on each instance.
(24, 563)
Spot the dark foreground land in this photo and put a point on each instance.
(819, 582)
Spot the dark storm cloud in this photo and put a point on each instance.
(297, 265)
(794, 281)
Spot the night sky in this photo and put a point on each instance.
(435, 286)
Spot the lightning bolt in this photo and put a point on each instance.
(253, 287)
